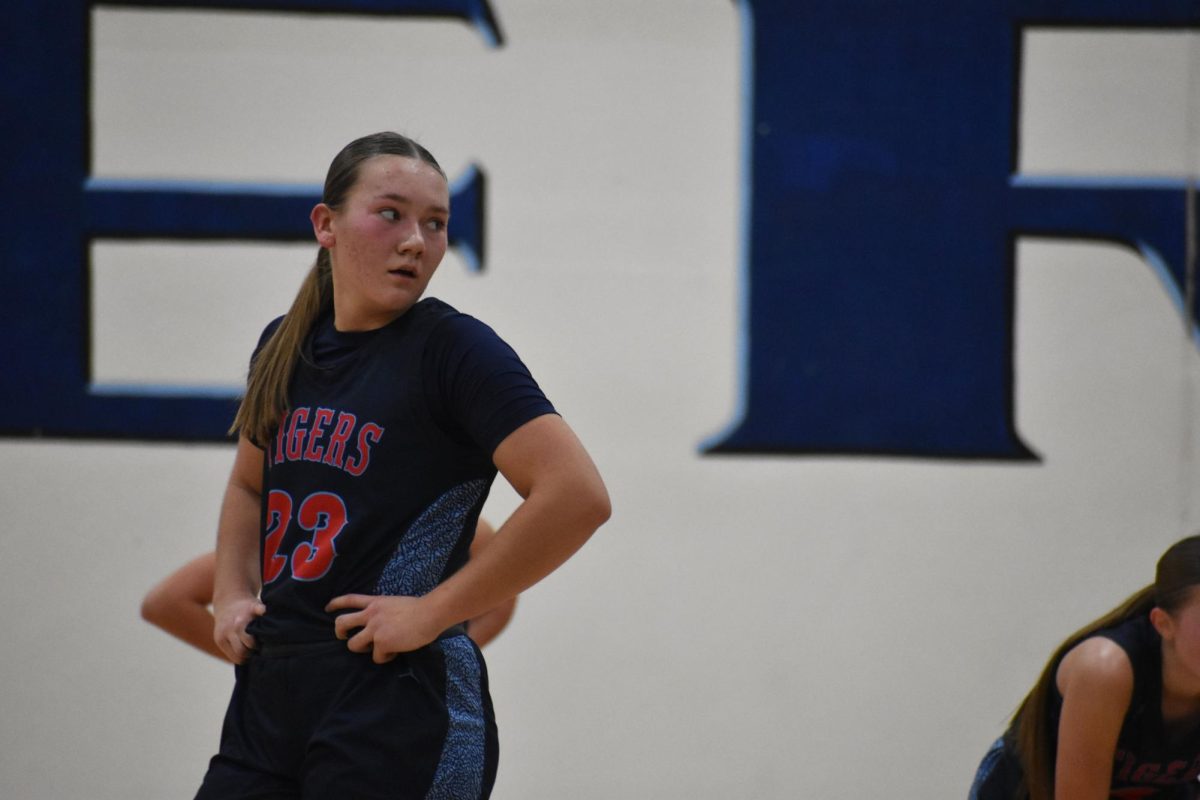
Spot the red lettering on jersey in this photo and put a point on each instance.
(369, 434)
(326, 436)
(1173, 771)
(324, 514)
(279, 514)
(296, 434)
(1146, 773)
(280, 435)
(1127, 761)
(335, 450)
(320, 421)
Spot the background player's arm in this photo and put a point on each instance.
(179, 604)
(565, 501)
(237, 580)
(1095, 680)
(488, 625)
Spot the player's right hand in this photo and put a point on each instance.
(229, 632)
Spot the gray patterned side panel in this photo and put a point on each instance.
(423, 550)
(460, 770)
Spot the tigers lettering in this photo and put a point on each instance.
(326, 436)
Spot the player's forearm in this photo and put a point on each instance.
(237, 570)
(552, 524)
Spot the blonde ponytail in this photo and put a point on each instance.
(265, 402)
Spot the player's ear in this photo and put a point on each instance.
(1162, 623)
(322, 222)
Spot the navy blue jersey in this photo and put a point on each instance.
(1152, 760)
(374, 481)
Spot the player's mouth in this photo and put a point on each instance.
(404, 272)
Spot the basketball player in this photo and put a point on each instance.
(1116, 712)
(373, 425)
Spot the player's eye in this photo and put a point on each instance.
(390, 214)
(437, 225)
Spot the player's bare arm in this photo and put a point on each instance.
(237, 580)
(1095, 680)
(565, 501)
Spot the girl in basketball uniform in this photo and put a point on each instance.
(373, 425)
(1116, 712)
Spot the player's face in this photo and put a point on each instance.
(385, 241)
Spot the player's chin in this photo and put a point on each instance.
(403, 289)
(396, 300)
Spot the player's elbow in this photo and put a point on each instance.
(155, 607)
(594, 504)
(602, 507)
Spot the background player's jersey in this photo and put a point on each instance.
(374, 481)
(1151, 760)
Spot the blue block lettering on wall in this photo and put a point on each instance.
(45, 382)
(881, 214)
(882, 210)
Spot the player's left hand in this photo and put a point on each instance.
(389, 625)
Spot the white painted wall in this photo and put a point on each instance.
(744, 627)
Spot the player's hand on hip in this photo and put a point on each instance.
(229, 630)
(382, 625)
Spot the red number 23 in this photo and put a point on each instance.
(321, 513)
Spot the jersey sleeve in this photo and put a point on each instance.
(479, 388)
(263, 337)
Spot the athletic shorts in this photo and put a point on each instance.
(999, 775)
(319, 722)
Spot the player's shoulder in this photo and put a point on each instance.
(267, 333)
(271, 327)
(1098, 664)
(432, 307)
(451, 325)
